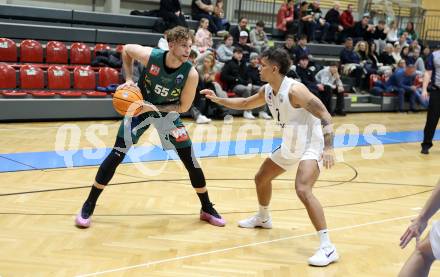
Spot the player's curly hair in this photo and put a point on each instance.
(278, 57)
(178, 34)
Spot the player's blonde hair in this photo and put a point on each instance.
(178, 34)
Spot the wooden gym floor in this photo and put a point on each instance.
(148, 225)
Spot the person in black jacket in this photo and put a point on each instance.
(332, 18)
(171, 12)
(234, 76)
(362, 30)
(205, 9)
(307, 75)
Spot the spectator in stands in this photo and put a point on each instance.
(404, 40)
(220, 13)
(234, 76)
(253, 73)
(307, 23)
(206, 81)
(426, 52)
(329, 83)
(380, 35)
(367, 64)
(244, 45)
(225, 50)
(401, 64)
(402, 82)
(171, 12)
(302, 50)
(387, 57)
(347, 22)
(289, 46)
(320, 23)
(392, 33)
(258, 37)
(163, 42)
(415, 45)
(396, 53)
(192, 57)
(204, 9)
(362, 30)
(203, 37)
(307, 75)
(374, 56)
(406, 55)
(333, 19)
(285, 18)
(419, 63)
(412, 35)
(236, 30)
(350, 62)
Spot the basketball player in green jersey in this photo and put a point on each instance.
(168, 84)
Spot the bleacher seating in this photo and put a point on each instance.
(8, 50)
(56, 52)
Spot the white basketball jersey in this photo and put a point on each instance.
(301, 129)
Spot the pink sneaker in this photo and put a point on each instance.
(82, 222)
(213, 220)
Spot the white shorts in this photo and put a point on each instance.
(287, 160)
(434, 239)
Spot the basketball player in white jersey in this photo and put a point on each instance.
(307, 139)
(428, 250)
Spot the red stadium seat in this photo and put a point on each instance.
(13, 93)
(218, 79)
(31, 77)
(8, 78)
(42, 93)
(8, 50)
(108, 76)
(96, 94)
(84, 78)
(56, 52)
(80, 53)
(100, 47)
(31, 51)
(58, 77)
(70, 94)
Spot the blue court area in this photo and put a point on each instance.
(10, 162)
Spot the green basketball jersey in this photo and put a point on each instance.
(157, 85)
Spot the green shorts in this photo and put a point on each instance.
(169, 126)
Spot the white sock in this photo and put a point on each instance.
(263, 212)
(324, 237)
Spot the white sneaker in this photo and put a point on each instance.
(201, 119)
(264, 115)
(248, 115)
(324, 256)
(255, 221)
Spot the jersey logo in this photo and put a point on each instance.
(179, 79)
(154, 70)
(180, 134)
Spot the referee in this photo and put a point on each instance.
(432, 75)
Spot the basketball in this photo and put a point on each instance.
(124, 97)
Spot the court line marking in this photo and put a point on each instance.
(163, 261)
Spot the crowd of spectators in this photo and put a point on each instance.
(380, 59)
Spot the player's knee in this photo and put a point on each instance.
(304, 193)
(261, 178)
(197, 177)
(108, 167)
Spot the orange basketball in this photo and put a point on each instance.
(124, 97)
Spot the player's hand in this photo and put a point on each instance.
(210, 95)
(328, 157)
(425, 95)
(414, 230)
(128, 83)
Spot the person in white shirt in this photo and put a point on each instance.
(329, 83)
(163, 42)
(307, 140)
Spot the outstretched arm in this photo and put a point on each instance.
(300, 96)
(419, 224)
(249, 103)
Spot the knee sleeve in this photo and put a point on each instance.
(196, 175)
(109, 165)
